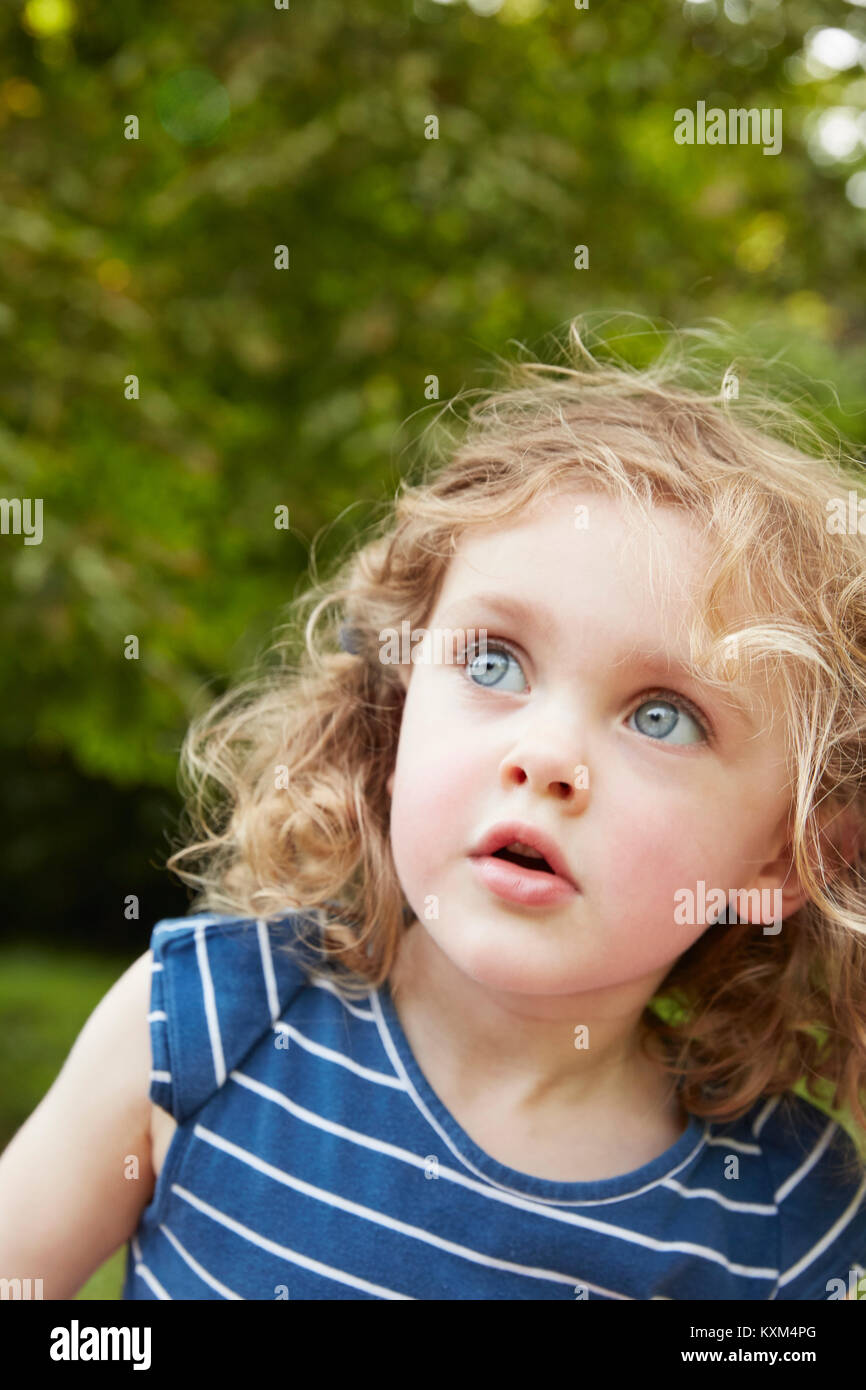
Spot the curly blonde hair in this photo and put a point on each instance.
(285, 775)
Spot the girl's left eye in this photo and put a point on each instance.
(490, 668)
(658, 721)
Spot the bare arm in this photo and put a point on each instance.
(67, 1200)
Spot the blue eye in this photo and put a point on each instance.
(665, 716)
(489, 668)
(495, 667)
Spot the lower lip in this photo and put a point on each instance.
(515, 884)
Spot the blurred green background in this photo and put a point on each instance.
(259, 387)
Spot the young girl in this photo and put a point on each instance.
(527, 896)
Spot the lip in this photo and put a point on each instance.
(528, 887)
(534, 887)
(502, 834)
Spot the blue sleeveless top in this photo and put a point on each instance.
(313, 1160)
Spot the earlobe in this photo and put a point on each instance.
(794, 895)
(844, 837)
(778, 884)
(841, 845)
(775, 904)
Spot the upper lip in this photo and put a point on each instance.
(502, 834)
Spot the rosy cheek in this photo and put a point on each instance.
(430, 794)
(647, 872)
(434, 760)
(413, 849)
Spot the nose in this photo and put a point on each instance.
(544, 762)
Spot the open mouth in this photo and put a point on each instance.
(526, 861)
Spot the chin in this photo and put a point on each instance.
(509, 972)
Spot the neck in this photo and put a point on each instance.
(524, 1048)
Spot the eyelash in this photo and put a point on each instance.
(656, 693)
(674, 699)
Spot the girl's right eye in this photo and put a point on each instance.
(490, 668)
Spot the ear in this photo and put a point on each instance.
(843, 837)
(777, 876)
(778, 883)
(841, 842)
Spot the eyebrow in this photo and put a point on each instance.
(543, 620)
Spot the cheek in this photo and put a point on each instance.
(434, 782)
(636, 886)
(430, 805)
(650, 856)
(651, 845)
(435, 764)
(423, 828)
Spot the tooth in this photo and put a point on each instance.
(517, 847)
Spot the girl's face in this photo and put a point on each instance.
(563, 729)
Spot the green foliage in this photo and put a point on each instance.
(107, 1282)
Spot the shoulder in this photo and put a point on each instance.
(190, 949)
(817, 1176)
(218, 984)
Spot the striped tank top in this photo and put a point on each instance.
(313, 1160)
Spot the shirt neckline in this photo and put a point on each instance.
(457, 1145)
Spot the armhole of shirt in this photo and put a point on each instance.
(822, 1206)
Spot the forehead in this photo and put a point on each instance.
(589, 555)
